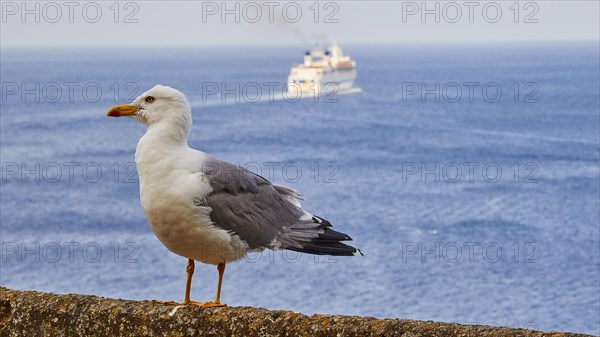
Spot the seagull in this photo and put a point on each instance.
(210, 210)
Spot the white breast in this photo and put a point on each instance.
(170, 181)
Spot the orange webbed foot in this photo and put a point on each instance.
(211, 304)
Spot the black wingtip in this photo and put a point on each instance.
(331, 248)
(317, 237)
(318, 219)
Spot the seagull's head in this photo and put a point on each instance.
(159, 106)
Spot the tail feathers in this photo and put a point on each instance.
(315, 236)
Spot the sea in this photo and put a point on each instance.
(468, 175)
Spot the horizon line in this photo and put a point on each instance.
(262, 45)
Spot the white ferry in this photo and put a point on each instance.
(323, 71)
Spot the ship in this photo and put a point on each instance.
(323, 71)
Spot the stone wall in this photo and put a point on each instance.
(29, 313)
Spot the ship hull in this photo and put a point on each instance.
(330, 81)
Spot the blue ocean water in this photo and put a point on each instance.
(469, 177)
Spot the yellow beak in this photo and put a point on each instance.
(122, 110)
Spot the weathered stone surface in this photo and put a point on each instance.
(30, 313)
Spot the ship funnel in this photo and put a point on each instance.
(307, 59)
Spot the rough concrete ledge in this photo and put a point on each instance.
(30, 313)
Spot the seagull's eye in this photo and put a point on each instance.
(150, 99)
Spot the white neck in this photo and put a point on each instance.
(158, 143)
(176, 131)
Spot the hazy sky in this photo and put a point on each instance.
(200, 23)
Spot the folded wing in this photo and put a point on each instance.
(265, 215)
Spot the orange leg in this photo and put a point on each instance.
(217, 302)
(188, 285)
(221, 269)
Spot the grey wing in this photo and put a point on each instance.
(247, 204)
(266, 215)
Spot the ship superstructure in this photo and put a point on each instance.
(323, 71)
